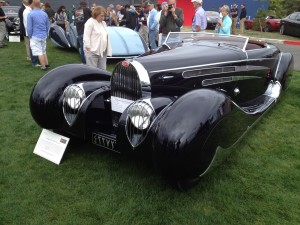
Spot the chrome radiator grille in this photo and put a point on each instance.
(125, 82)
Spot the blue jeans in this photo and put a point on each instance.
(81, 51)
(34, 59)
(152, 38)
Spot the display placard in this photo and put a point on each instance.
(51, 146)
(14, 38)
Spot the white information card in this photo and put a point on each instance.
(51, 146)
(119, 104)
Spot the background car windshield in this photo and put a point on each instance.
(11, 10)
(212, 13)
(175, 39)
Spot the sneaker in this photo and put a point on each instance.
(36, 65)
(47, 66)
(44, 68)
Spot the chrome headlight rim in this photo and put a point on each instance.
(141, 114)
(73, 98)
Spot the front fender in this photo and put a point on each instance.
(46, 97)
(181, 131)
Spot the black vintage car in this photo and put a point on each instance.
(291, 25)
(12, 21)
(177, 105)
(212, 19)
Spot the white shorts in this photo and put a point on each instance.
(38, 46)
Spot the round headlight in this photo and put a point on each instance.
(74, 96)
(140, 114)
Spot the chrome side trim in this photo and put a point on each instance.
(278, 64)
(220, 80)
(142, 73)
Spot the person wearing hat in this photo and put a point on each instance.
(171, 19)
(152, 25)
(2, 24)
(199, 20)
(234, 16)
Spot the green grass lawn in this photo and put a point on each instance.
(258, 183)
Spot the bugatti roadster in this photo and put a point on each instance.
(177, 105)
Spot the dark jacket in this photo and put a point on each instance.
(243, 13)
(169, 24)
(130, 20)
(20, 14)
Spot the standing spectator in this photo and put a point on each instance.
(142, 20)
(112, 8)
(60, 17)
(234, 16)
(130, 18)
(121, 14)
(94, 5)
(82, 14)
(34, 59)
(152, 25)
(224, 24)
(20, 15)
(7, 3)
(171, 19)
(96, 39)
(243, 18)
(37, 27)
(22, 29)
(157, 18)
(50, 12)
(2, 25)
(112, 19)
(199, 19)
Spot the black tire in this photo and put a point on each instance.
(268, 28)
(282, 29)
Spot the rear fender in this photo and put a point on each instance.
(285, 66)
(181, 131)
(46, 97)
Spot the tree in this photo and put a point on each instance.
(292, 6)
(278, 7)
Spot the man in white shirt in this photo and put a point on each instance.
(27, 10)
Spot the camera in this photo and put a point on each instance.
(170, 7)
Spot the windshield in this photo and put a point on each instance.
(11, 11)
(175, 38)
(212, 13)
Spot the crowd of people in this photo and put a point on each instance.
(153, 22)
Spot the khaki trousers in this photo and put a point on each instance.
(242, 25)
(233, 25)
(26, 40)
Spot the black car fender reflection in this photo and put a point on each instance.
(181, 131)
(46, 97)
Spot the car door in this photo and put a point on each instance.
(297, 25)
(289, 23)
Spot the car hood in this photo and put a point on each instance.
(184, 57)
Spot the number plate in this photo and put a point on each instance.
(104, 141)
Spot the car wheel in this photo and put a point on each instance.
(282, 29)
(268, 28)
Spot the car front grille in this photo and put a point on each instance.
(125, 82)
